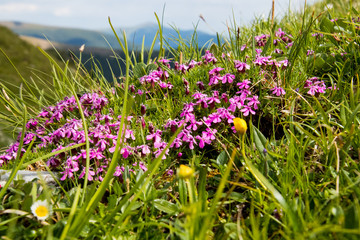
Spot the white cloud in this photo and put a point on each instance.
(62, 12)
(18, 7)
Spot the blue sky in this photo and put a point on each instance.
(91, 14)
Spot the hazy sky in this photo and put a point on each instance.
(93, 14)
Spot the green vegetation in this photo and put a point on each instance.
(25, 57)
(255, 137)
(19, 57)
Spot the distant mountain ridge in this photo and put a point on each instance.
(68, 36)
(105, 38)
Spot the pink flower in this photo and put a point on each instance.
(144, 149)
(31, 124)
(246, 110)
(186, 136)
(96, 154)
(125, 152)
(129, 134)
(253, 101)
(279, 33)
(90, 176)
(278, 91)
(67, 173)
(207, 137)
(118, 171)
(194, 125)
(165, 62)
(212, 100)
(278, 51)
(209, 57)
(224, 97)
(315, 86)
(244, 84)
(262, 60)
(102, 143)
(176, 143)
(213, 80)
(236, 102)
(200, 85)
(261, 40)
(228, 78)
(141, 165)
(168, 172)
(156, 137)
(310, 52)
(241, 67)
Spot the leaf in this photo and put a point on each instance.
(326, 25)
(149, 193)
(182, 191)
(276, 194)
(203, 195)
(131, 106)
(352, 117)
(222, 159)
(260, 142)
(239, 197)
(342, 115)
(352, 99)
(150, 68)
(117, 188)
(231, 230)
(166, 206)
(134, 206)
(355, 11)
(352, 217)
(214, 49)
(266, 47)
(112, 201)
(139, 70)
(319, 61)
(253, 47)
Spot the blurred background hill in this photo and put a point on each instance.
(28, 60)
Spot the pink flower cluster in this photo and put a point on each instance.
(157, 77)
(281, 38)
(210, 110)
(60, 126)
(226, 90)
(315, 85)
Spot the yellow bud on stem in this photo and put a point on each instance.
(185, 172)
(240, 125)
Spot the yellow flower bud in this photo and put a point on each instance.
(185, 172)
(240, 125)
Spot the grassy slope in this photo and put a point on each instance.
(23, 55)
(304, 187)
(29, 61)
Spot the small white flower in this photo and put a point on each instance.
(41, 209)
(329, 6)
(81, 49)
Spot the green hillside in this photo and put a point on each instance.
(69, 36)
(28, 60)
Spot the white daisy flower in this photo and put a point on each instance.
(41, 209)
